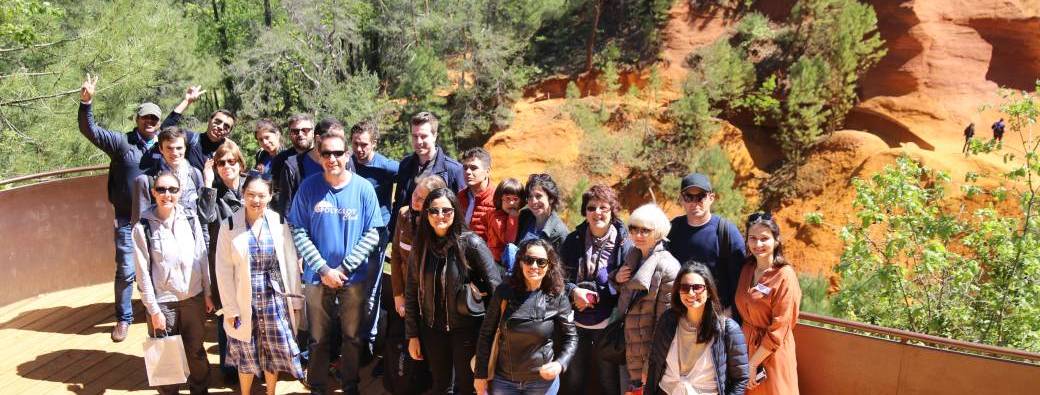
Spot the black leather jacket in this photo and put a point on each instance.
(729, 354)
(531, 321)
(420, 303)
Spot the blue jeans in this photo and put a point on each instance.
(124, 281)
(501, 386)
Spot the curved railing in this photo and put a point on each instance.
(48, 175)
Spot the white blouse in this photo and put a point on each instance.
(701, 379)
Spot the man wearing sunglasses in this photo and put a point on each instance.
(707, 238)
(304, 164)
(334, 219)
(201, 146)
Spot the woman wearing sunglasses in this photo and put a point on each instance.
(219, 198)
(259, 282)
(645, 286)
(527, 312)
(173, 276)
(449, 263)
(595, 248)
(768, 299)
(696, 349)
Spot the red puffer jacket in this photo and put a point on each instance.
(485, 205)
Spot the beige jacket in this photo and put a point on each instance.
(233, 271)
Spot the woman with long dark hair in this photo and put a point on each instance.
(696, 349)
(768, 299)
(259, 281)
(528, 313)
(453, 268)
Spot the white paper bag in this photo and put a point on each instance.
(165, 361)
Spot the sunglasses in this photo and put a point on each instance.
(300, 130)
(229, 162)
(639, 230)
(594, 209)
(760, 216)
(696, 288)
(262, 176)
(440, 211)
(694, 197)
(166, 190)
(536, 262)
(329, 154)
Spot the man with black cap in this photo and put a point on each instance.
(131, 154)
(706, 238)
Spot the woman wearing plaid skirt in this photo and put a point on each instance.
(259, 287)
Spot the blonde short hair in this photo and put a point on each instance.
(651, 217)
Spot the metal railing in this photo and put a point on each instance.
(905, 337)
(46, 176)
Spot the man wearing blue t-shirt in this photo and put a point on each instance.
(706, 238)
(334, 219)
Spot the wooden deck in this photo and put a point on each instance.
(59, 343)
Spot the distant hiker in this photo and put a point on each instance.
(969, 132)
(998, 130)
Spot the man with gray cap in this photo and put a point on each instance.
(130, 154)
(706, 238)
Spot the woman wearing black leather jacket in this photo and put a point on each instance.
(449, 263)
(529, 312)
(696, 349)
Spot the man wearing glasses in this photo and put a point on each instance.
(334, 219)
(306, 163)
(201, 146)
(706, 238)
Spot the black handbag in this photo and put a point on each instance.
(469, 301)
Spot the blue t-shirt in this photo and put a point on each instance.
(335, 220)
(310, 167)
(701, 244)
(381, 172)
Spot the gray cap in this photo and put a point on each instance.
(149, 108)
(696, 180)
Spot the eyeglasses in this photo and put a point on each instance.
(639, 230)
(696, 288)
(536, 261)
(694, 197)
(593, 209)
(300, 130)
(229, 162)
(329, 154)
(440, 211)
(760, 216)
(166, 190)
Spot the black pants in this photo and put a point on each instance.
(587, 373)
(448, 353)
(322, 304)
(187, 318)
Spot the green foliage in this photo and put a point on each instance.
(26, 22)
(804, 111)
(723, 71)
(915, 260)
(814, 294)
(146, 60)
(601, 151)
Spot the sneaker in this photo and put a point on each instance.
(119, 332)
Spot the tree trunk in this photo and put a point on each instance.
(590, 45)
(268, 18)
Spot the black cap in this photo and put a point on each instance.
(696, 180)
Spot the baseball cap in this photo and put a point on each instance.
(149, 108)
(696, 180)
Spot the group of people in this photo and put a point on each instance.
(486, 287)
(998, 133)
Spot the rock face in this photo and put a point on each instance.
(946, 59)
